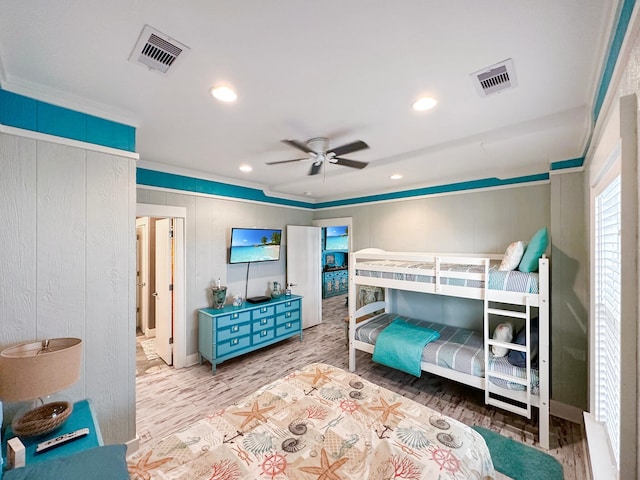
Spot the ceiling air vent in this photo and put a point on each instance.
(156, 51)
(495, 78)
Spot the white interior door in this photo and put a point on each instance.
(163, 293)
(304, 270)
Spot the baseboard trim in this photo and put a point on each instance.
(133, 445)
(193, 359)
(566, 412)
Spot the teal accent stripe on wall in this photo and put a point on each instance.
(614, 52)
(153, 178)
(574, 163)
(450, 188)
(29, 114)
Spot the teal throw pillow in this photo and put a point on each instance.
(537, 246)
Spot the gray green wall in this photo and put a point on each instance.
(486, 222)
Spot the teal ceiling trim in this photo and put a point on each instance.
(450, 188)
(574, 163)
(153, 178)
(29, 114)
(614, 52)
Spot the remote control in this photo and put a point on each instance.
(61, 440)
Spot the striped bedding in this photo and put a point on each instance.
(459, 349)
(510, 281)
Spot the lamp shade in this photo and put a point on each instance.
(38, 369)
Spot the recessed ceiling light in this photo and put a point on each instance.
(308, 194)
(395, 176)
(424, 103)
(246, 168)
(224, 93)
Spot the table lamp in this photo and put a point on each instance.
(33, 371)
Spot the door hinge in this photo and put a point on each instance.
(137, 309)
(170, 340)
(171, 287)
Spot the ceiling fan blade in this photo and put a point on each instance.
(349, 147)
(345, 162)
(315, 168)
(299, 145)
(287, 161)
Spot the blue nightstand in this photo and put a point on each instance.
(82, 416)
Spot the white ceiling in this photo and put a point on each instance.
(347, 70)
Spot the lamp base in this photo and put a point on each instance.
(41, 420)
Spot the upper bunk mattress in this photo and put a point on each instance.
(509, 281)
(457, 348)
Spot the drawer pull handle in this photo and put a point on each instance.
(263, 321)
(288, 314)
(235, 328)
(264, 333)
(235, 315)
(288, 304)
(263, 309)
(288, 324)
(234, 341)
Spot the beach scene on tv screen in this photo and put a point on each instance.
(255, 245)
(337, 238)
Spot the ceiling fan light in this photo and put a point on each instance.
(246, 168)
(224, 93)
(424, 103)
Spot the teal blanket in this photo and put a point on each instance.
(400, 346)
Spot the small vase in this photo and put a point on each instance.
(219, 296)
(276, 292)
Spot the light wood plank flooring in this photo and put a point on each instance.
(169, 399)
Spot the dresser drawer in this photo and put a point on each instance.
(287, 317)
(262, 323)
(288, 327)
(232, 345)
(264, 311)
(263, 336)
(223, 334)
(232, 318)
(288, 306)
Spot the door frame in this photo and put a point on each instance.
(337, 222)
(179, 285)
(142, 273)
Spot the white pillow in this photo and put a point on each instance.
(512, 256)
(504, 333)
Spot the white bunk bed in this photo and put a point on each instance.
(466, 276)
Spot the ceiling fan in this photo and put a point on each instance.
(318, 150)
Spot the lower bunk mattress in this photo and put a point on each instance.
(320, 422)
(459, 349)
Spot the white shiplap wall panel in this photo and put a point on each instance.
(69, 265)
(18, 239)
(110, 367)
(205, 219)
(60, 240)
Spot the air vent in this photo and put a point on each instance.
(156, 50)
(495, 78)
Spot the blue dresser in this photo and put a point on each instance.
(231, 331)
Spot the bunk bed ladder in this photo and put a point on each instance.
(489, 387)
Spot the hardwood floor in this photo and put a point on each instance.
(169, 399)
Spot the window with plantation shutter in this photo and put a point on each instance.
(607, 271)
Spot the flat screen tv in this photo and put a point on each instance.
(337, 238)
(254, 245)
